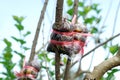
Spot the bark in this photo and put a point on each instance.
(58, 23)
(103, 67)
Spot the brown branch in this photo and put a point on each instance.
(57, 65)
(59, 9)
(100, 45)
(32, 54)
(58, 23)
(103, 67)
(75, 8)
(79, 73)
(68, 65)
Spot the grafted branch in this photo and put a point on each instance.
(58, 23)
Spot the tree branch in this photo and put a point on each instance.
(58, 23)
(100, 45)
(67, 69)
(32, 54)
(106, 65)
(75, 8)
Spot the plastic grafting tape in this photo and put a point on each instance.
(30, 76)
(67, 42)
(31, 68)
(71, 33)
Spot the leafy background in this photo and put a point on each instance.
(17, 32)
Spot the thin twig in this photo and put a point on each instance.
(37, 31)
(75, 8)
(37, 52)
(100, 45)
(92, 58)
(105, 19)
(58, 23)
(68, 64)
(108, 11)
(47, 69)
(115, 20)
(80, 72)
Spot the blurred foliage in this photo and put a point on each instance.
(7, 61)
(8, 52)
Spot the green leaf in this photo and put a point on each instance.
(87, 9)
(26, 48)
(52, 73)
(44, 67)
(20, 54)
(18, 19)
(7, 56)
(12, 66)
(19, 27)
(103, 78)
(90, 20)
(41, 56)
(53, 62)
(27, 33)
(114, 49)
(70, 12)
(81, 4)
(65, 60)
(114, 71)
(111, 74)
(4, 73)
(94, 6)
(22, 41)
(110, 77)
(98, 11)
(69, 2)
(47, 58)
(94, 30)
(19, 40)
(81, 13)
(8, 43)
(98, 20)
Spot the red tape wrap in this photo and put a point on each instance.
(72, 33)
(22, 75)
